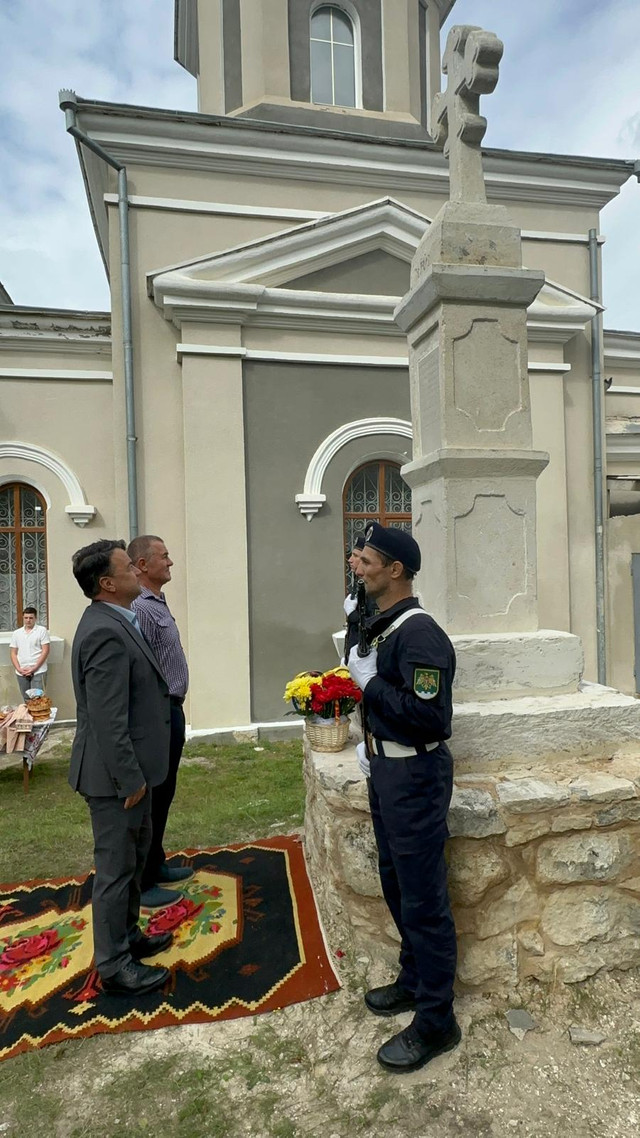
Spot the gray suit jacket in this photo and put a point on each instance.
(123, 711)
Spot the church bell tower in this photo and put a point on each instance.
(365, 66)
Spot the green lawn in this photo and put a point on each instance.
(225, 794)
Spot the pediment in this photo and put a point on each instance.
(345, 268)
(384, 226)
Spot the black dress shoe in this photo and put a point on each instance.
(134, 979)
(409, 1051)
(171, 873)
(149, 945)
(389, 1000)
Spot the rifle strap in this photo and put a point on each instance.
(395, 625)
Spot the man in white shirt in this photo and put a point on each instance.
(29, 650)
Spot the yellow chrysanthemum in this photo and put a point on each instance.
(299, 688)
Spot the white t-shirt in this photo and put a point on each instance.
(29, 645)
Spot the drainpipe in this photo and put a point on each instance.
(68, 103)
(598, 472)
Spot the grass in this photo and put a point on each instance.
(225, 794)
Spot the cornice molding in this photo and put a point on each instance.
(312, 499)
(623, 451)
(70, 375)
(78, 509)
(186, 301)
(266, 355)
(270, 213)
(190, 143)
(53, 345)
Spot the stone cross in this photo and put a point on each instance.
(471, 65)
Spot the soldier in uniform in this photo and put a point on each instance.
(406, 680)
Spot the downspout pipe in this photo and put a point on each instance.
(597, 391)
(68, 104)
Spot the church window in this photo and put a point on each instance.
(333, 58)
(375, 493)
(23, 554)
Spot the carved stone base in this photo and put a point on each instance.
(507, 665)
(544, 866)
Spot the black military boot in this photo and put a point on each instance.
(409, 1049)
(389, 1000)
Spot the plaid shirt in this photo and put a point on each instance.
(161, 633)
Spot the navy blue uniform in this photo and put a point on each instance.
(409, 703)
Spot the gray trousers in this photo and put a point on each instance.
(121, 843)
(26, 682)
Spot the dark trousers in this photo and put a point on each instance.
(162, 797)
(121, 842)
(409, 801)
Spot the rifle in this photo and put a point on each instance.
(361, 598)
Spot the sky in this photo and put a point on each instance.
(568, 84)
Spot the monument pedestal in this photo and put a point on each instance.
(544, 854)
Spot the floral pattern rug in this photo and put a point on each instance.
(246, 939)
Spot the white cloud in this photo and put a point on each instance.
(568, 85)
(107, 49)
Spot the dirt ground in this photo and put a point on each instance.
(311, 1070)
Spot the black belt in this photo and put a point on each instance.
(178, 700)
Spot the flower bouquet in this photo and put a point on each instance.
(324, 699)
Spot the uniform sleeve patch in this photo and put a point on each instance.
(426, 682)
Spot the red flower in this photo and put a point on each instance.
(173, 916)
(40, 944)
(334, 689)
(215, 927)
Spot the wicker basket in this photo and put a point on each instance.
(327, 734)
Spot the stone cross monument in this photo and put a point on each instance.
(545, 814)
(471, 65)
(474, 470)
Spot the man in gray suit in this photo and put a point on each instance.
(119, 753)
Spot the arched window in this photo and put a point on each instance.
(333, 58)
(375, 493)
(23, 554)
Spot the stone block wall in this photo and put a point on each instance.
(544, 867)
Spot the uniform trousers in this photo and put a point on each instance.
(162, 797)
(409, 800)
(121, 842)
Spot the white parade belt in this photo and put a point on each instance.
(397, 751)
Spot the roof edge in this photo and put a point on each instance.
(130, 110)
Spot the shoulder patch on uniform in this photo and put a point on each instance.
(426, 682)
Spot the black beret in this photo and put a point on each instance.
(359, 542)
(394, 543)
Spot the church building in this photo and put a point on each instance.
(247, 396)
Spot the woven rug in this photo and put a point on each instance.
(246, 939)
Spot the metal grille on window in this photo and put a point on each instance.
(374, 493)
(23, 554)
(333, 62)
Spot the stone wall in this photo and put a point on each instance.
(544, 867)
